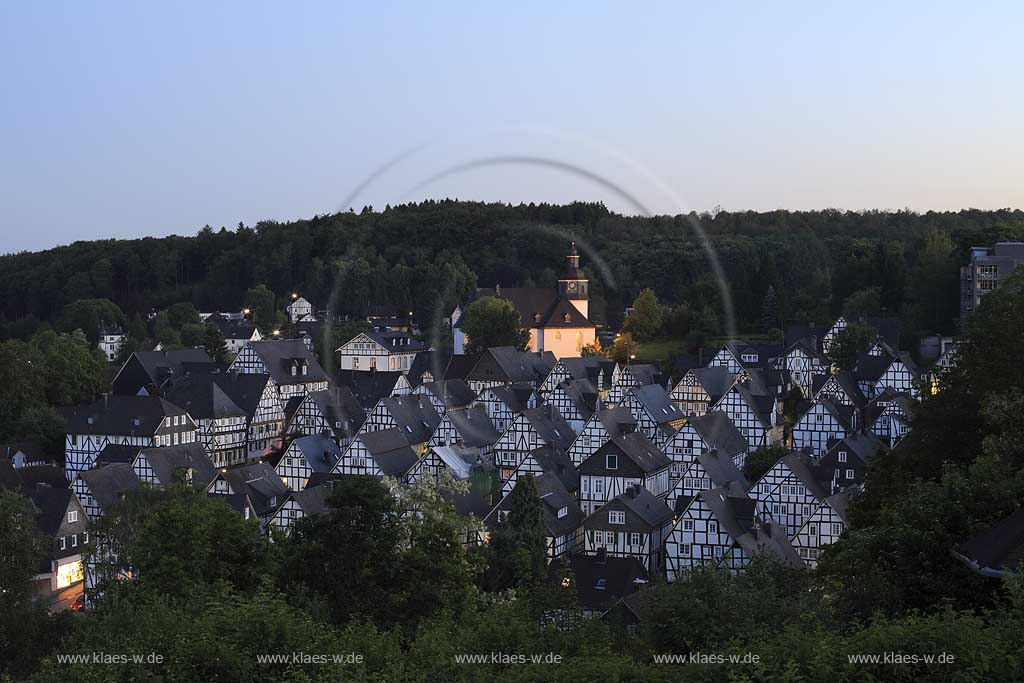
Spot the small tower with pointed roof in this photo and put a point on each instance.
(574, 285)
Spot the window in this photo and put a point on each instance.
(502, 515)
(599, 486)
(73, 516)
(684, 549)
(712, 527)
(563, 511)
(63, 542)
(85, 537)
(585, 483)
(837, 529)
(355, 363)
(74, 540)
(806, 510)
(842, 456)
(813, 530)
(616, 517)
(819, 418)
(718, 550)
(634, 539)
(687, 525)
(849, 474)
(612, 461)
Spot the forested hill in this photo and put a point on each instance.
(424, 256)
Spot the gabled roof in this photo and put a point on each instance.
(843, 413)
(817, 481)
(120, 415)
(550, 426)
(764, 352)
(871, 368)
(202, 396)
(474, 427)
(722, 471)
(585, 367)
(651, 510)
(109, 484)
(538, 307)
(155, 368)
(736, 515)
(864, 446)
(718, 432)
(617, 420)
(232, 329)
(396, 342)
(339, 406)
(514, 366)
(434, 362)
(847, 382)
(554, 496)
(643, 373)
(245, 390)
(320, 453)
(390, 450)
(50, 505)
(810, 333)
(452, 393)
(582, 394)
(637, 457)
(260, 483)
(769, 539)
(460, 461)
(414, 416)
(312, 500)
(600, 581)
(280, 355)
(559, 464)
(880, 403)
(115, 452)
(35, 475)
(515, 396)
(167, 461)
(657, 404)
(714, 379)
(368, 386)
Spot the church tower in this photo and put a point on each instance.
(573, 284)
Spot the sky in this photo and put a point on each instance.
(134, 119)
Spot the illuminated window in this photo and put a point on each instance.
(69, 573)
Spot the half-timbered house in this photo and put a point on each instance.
(622, 462)
(380, 453)
(167, 466)
(634, 524)
(289, 362)
(701, 388)
(370, 387)
(146, 373)
(602, 425)
(304, 456)
(575, 400)
(504, 403)
(334, 412)
(823, 528)
(540, 426)
(446, 395)
(847, 459)
(413, 416)
(221, 423)
(790, 491)
(824, 421)
(888, 416)
(469, 428)
(128, 420)
(708, 470)
(258, 482)
(300, 504)
(627, 377)
(563, 518)
(375, 350)
(504, 365)
(701, 434)
(657, 417)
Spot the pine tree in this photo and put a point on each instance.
(517, 553)
(770, 311)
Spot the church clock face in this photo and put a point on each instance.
(572, 286)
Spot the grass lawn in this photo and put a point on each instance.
(661, 349)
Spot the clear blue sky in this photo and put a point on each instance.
(131, 119)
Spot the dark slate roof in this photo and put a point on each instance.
(45, 475)
(814, 478)
(768, 539)
(452, 393)
(765, 352)
(601, 581)
(414, 416)
(50, 505)
(558, 463)
(120, 415)
(484, 491)
(115, 452)
(474, 427)
(550, 426)
(237, 501)
(155, 368)
(553, 496)
(397, 342)
(657, 404)
(202, 396)
(810, 333)
(583, 395)
(637, 457)
(339, 405)
(715, 380)
(847, 382)
(643, 373)
(514, 366)
(434, 362)
(586, 367)
(312, 500)
(617, 420)
(260, 483)
(843, 413)
(878, 405)
(888, 329)
(244, 390)
(870, 368)
(321, 453)
(649, 508)
(996, 548)
(279, 355)
(516, 396)
(167, 461)
(861, 445)
(460, 366)
(390, 450)
(722, 471)
(736, 515)
(718, 432)
(368, 386)
(109, 484)
(232, 329)
(539, 307)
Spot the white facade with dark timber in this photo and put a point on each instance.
(789, 492)
(823, 422)
(823, 528)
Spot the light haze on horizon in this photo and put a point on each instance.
(127, 120)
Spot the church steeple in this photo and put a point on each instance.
(573, 284)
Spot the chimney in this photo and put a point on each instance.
(634, 491)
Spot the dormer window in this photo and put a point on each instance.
(304, 369)
(295, 371)
(563, 511)
(616, 517)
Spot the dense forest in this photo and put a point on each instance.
(425, 257)
(400, 598)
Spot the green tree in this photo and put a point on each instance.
(489, 322)
(854, 339)
(192, 335)
(623, 349)
(88, 314)
(644, 321)
(261, 303)
(770, 311)
(863, 303)
(757, 463)
(183, 313)
(215, 344)
(517, 552)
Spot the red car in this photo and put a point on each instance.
(78, 605)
